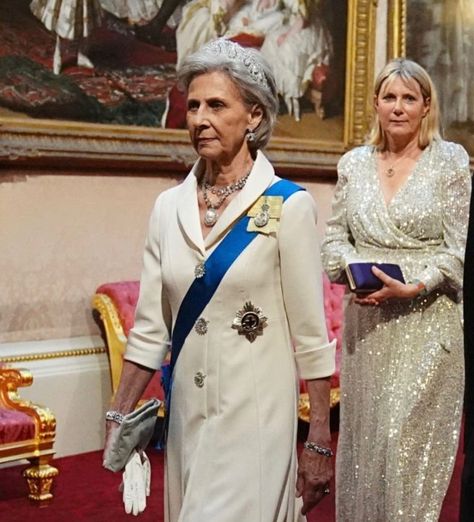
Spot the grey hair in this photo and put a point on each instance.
(253, 92)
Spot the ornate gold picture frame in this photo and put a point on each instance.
(48, 142)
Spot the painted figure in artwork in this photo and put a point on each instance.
(295, 48)
(257, 18)
(72, 20)
(443, 43)
(201, 22)
(75, 21)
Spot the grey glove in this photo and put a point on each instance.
(134, 432)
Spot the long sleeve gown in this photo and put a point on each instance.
(402, 367)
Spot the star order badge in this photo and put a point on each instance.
(250, 321)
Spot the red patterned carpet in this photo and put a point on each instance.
(84, 491)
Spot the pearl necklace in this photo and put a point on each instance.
(211, 215)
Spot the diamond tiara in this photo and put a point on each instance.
(234, 51)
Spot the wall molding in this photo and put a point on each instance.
(53, 355)
(57, 356)
(69, 347)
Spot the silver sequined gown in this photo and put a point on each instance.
(402, 373)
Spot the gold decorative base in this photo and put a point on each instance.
(40, 480)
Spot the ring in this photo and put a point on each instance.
(326, 491)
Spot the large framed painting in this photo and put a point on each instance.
(93, 82)
(439, 35)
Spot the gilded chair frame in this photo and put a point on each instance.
(114, 334)
(38, 450)
(115, 339)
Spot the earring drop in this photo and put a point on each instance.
(250, 136)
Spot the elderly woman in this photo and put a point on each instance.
(403, 198)
(238, 292)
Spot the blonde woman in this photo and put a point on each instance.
(402, 198)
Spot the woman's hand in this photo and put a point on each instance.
(133, 381)
(314, 473)
(314, 469)
(392, 288)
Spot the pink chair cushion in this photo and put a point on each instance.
(334, 312)
(124, 295)
(15, 426)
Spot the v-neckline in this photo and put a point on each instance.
(188, 204)
(402, 187)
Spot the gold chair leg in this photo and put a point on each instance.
(39, 477)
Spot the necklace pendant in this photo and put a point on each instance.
(210, 217)
(390, 172)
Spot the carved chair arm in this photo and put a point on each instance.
(10, 380)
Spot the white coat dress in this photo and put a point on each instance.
(231, 450)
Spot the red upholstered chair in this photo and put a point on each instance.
(114, 310)
(27, 431)
(334, 311)
(114, 307)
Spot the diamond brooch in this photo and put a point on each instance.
(199, 270)
(200, 326)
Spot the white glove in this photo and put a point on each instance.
(146, 472)
(136, 483)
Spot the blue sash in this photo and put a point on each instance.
(202, 289)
